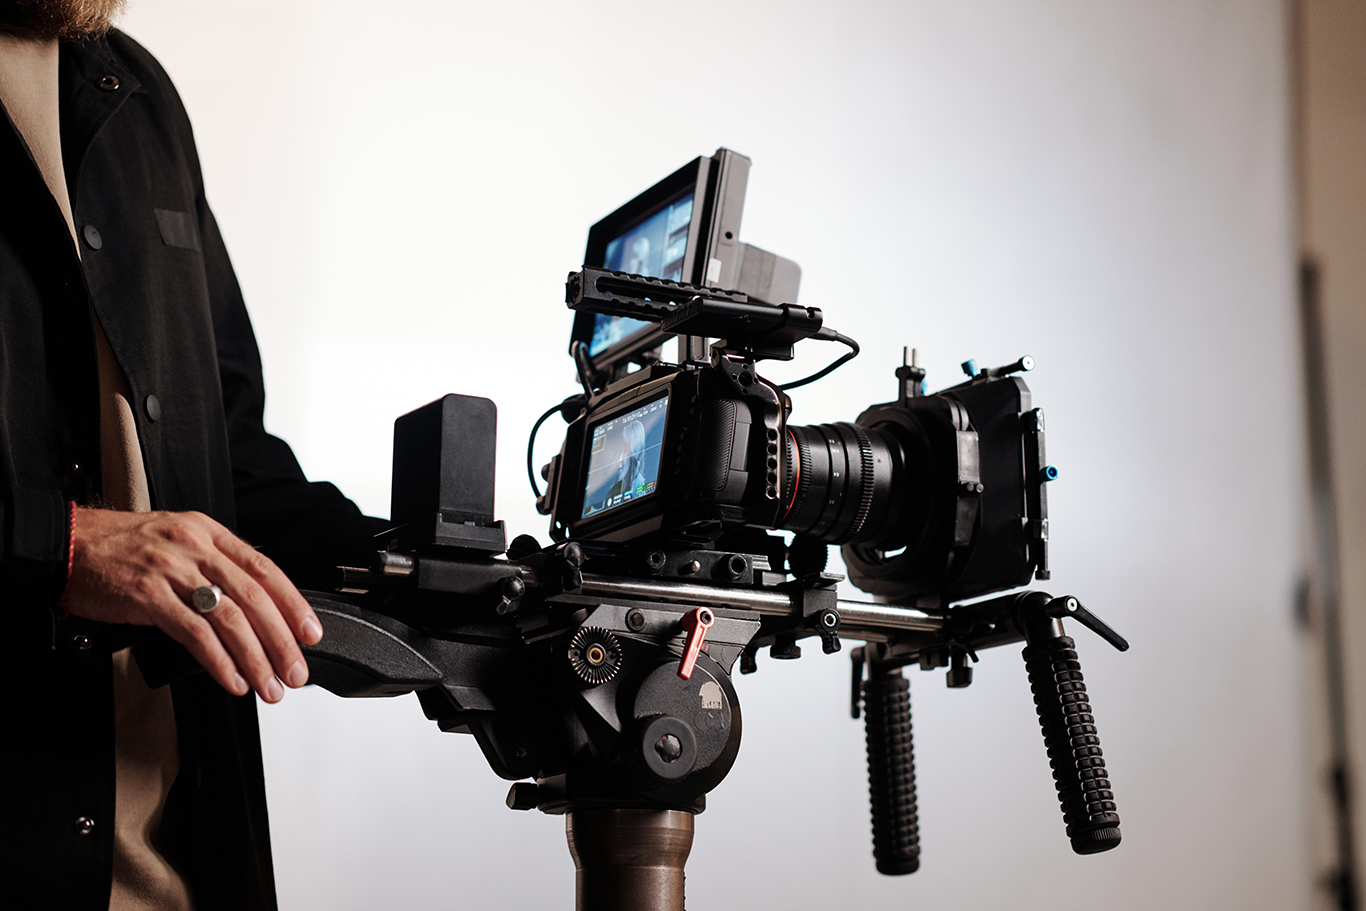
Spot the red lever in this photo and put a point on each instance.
(696, 622)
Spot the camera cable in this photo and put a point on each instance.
(827, 335)
(568, 409)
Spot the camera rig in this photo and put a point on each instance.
(596, 672)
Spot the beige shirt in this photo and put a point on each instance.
(146, 750)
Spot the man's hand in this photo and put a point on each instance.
(141, 568)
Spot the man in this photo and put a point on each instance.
(131, 449)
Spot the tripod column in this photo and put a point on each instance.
(629, 859)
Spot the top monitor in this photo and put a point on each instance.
(686, 228)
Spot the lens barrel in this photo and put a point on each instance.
(840, 483)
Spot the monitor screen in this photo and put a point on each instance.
(623, 457)
(654, 247)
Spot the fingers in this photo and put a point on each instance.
(201, 640)
(235, 633)
(266, 617)
(252, 627)
(296, 611)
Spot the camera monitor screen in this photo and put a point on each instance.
(623, 457)
(654, 248)
(685, 229)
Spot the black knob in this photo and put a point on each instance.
(749, 662)
(960, 672)
(523, 795)
(828, 628)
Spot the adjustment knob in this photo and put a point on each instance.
(594, 655)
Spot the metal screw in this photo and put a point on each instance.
(669, 748)
(392, 564)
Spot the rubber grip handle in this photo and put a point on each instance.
(1069, 733)
(891, 772)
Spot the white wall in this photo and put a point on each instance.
(1103, 186)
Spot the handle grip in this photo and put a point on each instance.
(1069, 733)
(891, 771)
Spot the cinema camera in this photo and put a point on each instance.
(596, 672)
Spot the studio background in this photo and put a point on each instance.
(1106, 187)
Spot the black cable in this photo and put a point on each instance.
(531, 441)
(832, 336)
(588, 378)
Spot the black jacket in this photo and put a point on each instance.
(156, 272)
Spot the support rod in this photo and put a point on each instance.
(772, 603)
(629, 859)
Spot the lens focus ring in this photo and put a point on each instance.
(866, 480)
(833, 493)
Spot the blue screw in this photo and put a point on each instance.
(1048, 473)
(970, 367)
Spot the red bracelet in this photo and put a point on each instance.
(62, 613)
(71, 542)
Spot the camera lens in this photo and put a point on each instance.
(840, 483)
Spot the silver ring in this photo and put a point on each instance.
(205, 598)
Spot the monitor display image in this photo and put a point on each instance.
(655, 248)
(623, 457)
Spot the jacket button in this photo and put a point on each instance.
(84, 825)
(82, 643)
(92, 237)
(109, 83)
(74, 468)
(152, 405)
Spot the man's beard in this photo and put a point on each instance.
(69, 20)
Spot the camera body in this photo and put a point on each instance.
(710, 456)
